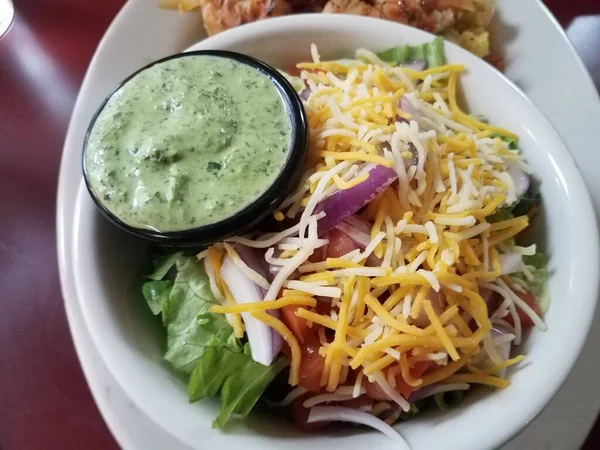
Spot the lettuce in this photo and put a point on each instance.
(500, 215)
(296, 82)
(539, 285)
(526, 204)
(162, 264)
(449, 400)
(202, 344)
(522, 207)
(512, 143)
(240, 380)
(156, 294)
(412, 412)
(432, 53)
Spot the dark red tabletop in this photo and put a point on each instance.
(44, 400)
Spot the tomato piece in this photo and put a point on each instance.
(416, 371)
(438, 302)
(311, 366)
(526, 321)
(293, 71)
(323, 308)
(339, 244)
(320, 254)
(297, 325)
(375, 391)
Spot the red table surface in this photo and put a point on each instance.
(44, 400)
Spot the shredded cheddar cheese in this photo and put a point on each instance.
(284, 331)
(264, 305)
(409, 286)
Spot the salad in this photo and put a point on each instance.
(392, 280)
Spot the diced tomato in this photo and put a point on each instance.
(293, 71)
(375, 391)
(323, 308)
(286, 350)
(339, 244)
(320, 254)
(311, 366)
(438, 302)
(297, 325)
(526, 321)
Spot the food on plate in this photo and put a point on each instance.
(186, 142)
(395, 280)
(465, 22)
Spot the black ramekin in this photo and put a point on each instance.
(258, 210)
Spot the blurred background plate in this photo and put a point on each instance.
(555, 81)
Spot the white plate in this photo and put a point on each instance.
(150, 25)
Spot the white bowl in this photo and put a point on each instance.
(105, 265)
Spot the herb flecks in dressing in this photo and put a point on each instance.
(188, 142)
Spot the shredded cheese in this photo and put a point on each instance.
(426, 240)
(289, 337)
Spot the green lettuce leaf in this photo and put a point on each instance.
(512, 143)
(237, 376)
(432, 53)
(162, 264)
(412, 412)
(191, 327)
(538, 260)
(539, 285)
(157, 294)
(521, 208)
(500, 215)
(296, 82)
(447, 401)
(526, 204)
(201, 344)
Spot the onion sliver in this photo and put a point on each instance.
(341, 414)
(253, 259)
(418, 65)
(265, 343)
(521, 181)
(360, 237)
(504, 348)
(347, 202)
(359, 223)
(510, 262)
(406, 105)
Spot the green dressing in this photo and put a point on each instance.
(188, 142)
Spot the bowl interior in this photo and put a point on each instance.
(107, 264)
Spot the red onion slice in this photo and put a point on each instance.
(359, 223)
(253, 259)
(341, 414)
(347, 202)
(406, 105)
(491, 299)
(265, 343)
(360, 237)
(304, 94)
